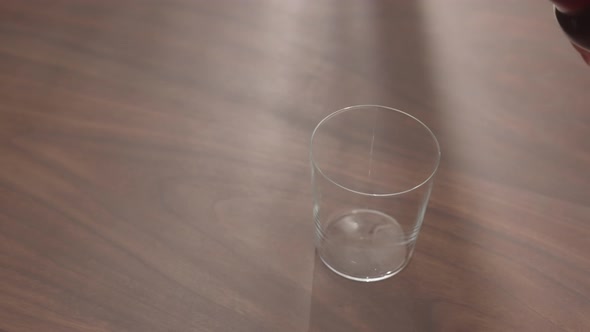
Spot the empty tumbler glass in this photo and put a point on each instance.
(372, 174)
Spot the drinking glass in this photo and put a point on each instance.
(372, 173)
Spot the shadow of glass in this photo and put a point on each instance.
(418, 298)
(339, 304)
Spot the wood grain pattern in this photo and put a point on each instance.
(155, 177)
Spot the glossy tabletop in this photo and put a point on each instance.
(155, 172)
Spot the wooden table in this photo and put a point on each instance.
(155, 174)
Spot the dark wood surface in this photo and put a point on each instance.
(155, 175)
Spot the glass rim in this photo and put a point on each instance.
(355, 107)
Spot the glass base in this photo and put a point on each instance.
(364, 245)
